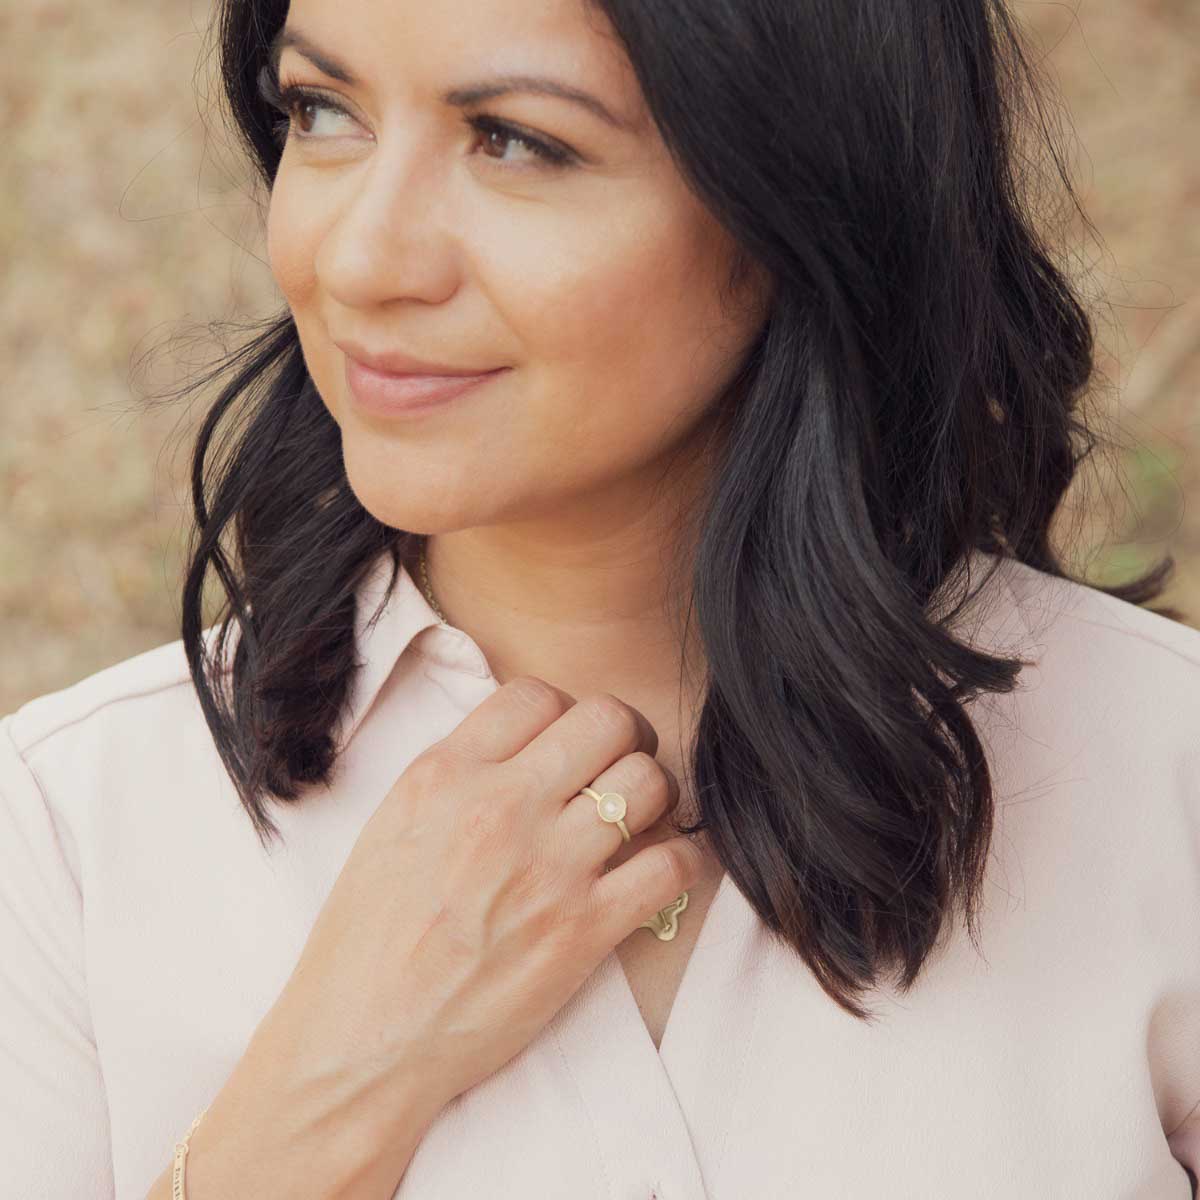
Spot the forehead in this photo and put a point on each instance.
(442, 41)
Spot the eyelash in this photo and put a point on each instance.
(286, 98)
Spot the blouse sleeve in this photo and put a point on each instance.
(54, 1128)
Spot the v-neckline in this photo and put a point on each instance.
(643, 1101)
(712, 921)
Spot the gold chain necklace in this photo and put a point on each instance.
(426, 588)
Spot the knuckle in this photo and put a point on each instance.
(614, 715)
(537, 695)
(433, 770)
(531, 775)
(677, 864)
(648, 775)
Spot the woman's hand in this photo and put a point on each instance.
(475, 901)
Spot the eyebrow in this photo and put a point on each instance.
(460, 97)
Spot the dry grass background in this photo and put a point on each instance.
(127, 224)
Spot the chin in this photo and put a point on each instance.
(393, 506)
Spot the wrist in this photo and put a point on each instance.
(356, 1128)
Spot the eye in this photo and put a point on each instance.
(294, 101)
(501, 131)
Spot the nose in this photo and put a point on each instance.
(389, 233)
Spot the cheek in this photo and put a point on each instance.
(293, 233)
(630, 329)
(294, 228)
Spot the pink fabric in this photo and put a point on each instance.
(144, 933)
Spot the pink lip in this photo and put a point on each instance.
(397, 395)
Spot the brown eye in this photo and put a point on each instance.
(295, 103)
(291, 101)
(496, 133)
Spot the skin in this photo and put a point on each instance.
(555, 498)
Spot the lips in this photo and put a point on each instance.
(393, 362)
(391, 394)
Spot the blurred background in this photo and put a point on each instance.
(132, 245)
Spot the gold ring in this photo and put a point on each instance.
(612, 807)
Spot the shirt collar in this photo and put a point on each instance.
(407, 620)
(383, 635)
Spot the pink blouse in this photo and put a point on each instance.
(144, 933)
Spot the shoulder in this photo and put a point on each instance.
(1111, 656)
(115, 755)
(1065, 608)
(147, 694)
(1105, 717)
(141, 677)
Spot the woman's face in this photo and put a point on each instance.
(398, 226)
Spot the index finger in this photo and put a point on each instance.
(510, 718)
(503, 724)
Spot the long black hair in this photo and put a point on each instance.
(916, 394)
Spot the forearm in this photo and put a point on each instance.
(259, 1140)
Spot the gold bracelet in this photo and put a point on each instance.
(181, 1149)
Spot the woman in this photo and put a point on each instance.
(461, 857)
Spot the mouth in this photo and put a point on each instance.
(387, 394)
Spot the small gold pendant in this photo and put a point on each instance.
(665, 923)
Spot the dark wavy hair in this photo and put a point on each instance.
(916, 394)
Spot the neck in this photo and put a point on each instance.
(587, 618)
(601, 611)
